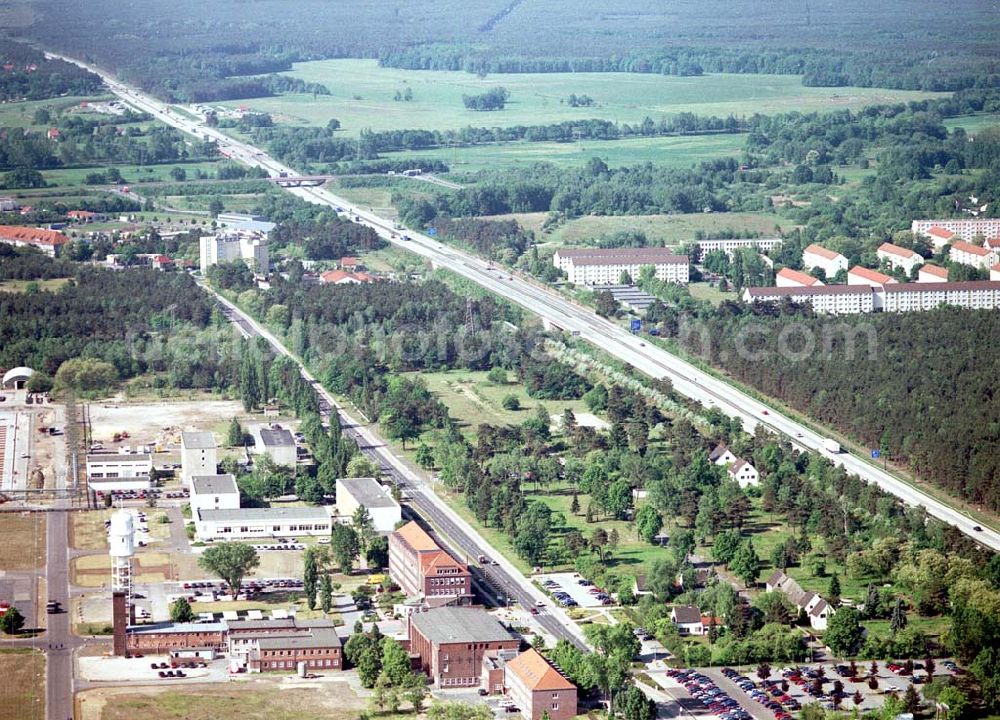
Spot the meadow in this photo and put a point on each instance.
(362, 97)
(22, 692)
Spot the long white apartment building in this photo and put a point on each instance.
(964, 229)
(891, 297)
(830, 262)
(232, 245)
(249, 523)
(732, 244)
(597, 266)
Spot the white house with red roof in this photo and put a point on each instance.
(966, 253)
(787, 277)
(939, 236)
(858, 275)
(49, 242)
(931, 273)
(899, 257)
(830, 262)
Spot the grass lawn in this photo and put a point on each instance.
(87, 530)
(973, 123)
(934, 627)
(23, 546)
(678, 152)
(135, 174)
(22, 114)
(22, 692)
(20, 286)
(95, 570)
(261, 700)
(362, 97)
(378, 198)
(669, 229)
(704, 291)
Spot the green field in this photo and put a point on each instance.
(679, 152)
(135, 174)
(362, 97)
(973, 123)
(669, 229)
(22, 113)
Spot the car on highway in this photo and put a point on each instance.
(765, 412)
(977, 528)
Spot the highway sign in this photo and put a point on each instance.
(636, 325)
(876, 454)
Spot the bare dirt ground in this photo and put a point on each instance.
(154, 422)
(22, 692)
(23, 541)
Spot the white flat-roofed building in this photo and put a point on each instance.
(249, 523)
(596, 266)
(787, 277)
(911, 297)
(275, 441)
(966, 253)
(353, 493)
(232, 245)
(199, 455)
(214, 492)
(731, 245)
(830, 262)
(930, 273)
(829, 299)
(964, 229)
(858, 275)
(899, 257)
(114, 472)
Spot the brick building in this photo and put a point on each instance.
(161, 638)
(451, 643)
(538, 688)
(423, 569)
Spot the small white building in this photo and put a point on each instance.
(214, 492)
(275, 441)
(931, 273)
(865, 276)
(687, 620)
(115, 472)
(939, 237)
(262, 523)
(199, 455)
(722, 455)
(744, 473)
(899, 257)
(966, 253)
(787, 277)
(830, 262)
(353, 493)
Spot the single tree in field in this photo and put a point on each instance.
(231, 561)
(180, 611)
(574, 506)
(897, 621)
(598, 541)
(11, 621)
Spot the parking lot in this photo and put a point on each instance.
(572, 590)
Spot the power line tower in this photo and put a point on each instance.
(470, 318)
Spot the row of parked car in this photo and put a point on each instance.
(769, 694)
(703, 689)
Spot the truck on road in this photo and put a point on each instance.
(831, 446)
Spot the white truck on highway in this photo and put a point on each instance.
(831, 446)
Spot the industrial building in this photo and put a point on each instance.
(450, 643)
(353, 493)
(114, 472)
(199, 455)
(262, 523)
(423, 570)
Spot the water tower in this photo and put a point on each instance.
(122, 544)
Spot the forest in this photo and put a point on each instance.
(211, 56)
(25, 74)
(136, 322)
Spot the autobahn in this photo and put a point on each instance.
(687, 379)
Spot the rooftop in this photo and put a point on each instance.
(366, 491)
(685, 614)
(168, 627)
(966, 286)
(897, 251)
(214, 484)
(197, 440)
(459, 625)
(967, 247)
(276, 437)
(415, 536)
(756, 292)
(822, 252)
(935, 270)
(320, 637)
(36, 236)
(270, 624)
(940, 232)
(117, 458)
(799, 277)
(270, 514)
(871, 275)
(633, 256)
(536, 672)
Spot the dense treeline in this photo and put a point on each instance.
(25, 74)
(23, 265)
(503, 240)
(924, 397)
(317, 145)
(139, 321)
(327, 239)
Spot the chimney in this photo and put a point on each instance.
(119, 622)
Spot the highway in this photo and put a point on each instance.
(687, 379)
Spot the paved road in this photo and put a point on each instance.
(59, 638)
(567, 315)
(453, 531)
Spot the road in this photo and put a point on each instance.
(460, 537)
(687, 379)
